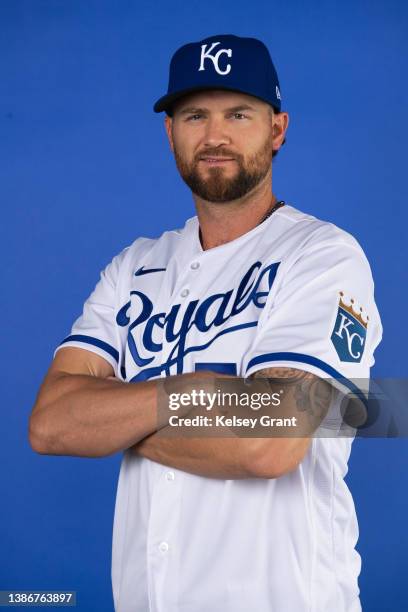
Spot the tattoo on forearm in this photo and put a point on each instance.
(310, 393)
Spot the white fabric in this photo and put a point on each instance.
(184, 543)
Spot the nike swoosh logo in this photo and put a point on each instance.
(142, 271)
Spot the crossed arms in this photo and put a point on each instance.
(82, 410)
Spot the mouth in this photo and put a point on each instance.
(216, 161)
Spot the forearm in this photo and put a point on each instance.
(214, 457)
(88, 416)
(92, 417)
(241, 457)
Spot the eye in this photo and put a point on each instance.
(194, 117)
(240, 116)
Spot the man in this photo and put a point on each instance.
(250, 287)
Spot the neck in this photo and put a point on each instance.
(222, 222)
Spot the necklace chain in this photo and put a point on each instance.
(268, 214)
(272, 210)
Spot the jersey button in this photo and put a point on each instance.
(163, 547)
(195, 265)
(184, 293)
(170, 475)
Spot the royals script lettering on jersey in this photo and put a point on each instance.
(294, 291)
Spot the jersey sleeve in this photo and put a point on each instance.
(95, 329)
(322, 318)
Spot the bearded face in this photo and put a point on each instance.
(219, 174)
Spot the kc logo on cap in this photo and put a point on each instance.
(214, 58)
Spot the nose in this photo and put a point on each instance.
(216, 134)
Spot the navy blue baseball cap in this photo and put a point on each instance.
(225, 62)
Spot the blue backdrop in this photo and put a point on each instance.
(86, 168)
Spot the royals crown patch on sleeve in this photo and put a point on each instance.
(349, 332)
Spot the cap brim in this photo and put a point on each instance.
(165, 102)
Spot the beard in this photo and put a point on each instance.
(217, 187)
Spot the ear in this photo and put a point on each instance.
(280, 122)
(168, 121)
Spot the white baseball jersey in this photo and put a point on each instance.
(294, 291)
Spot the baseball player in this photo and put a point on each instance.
(250, 287)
